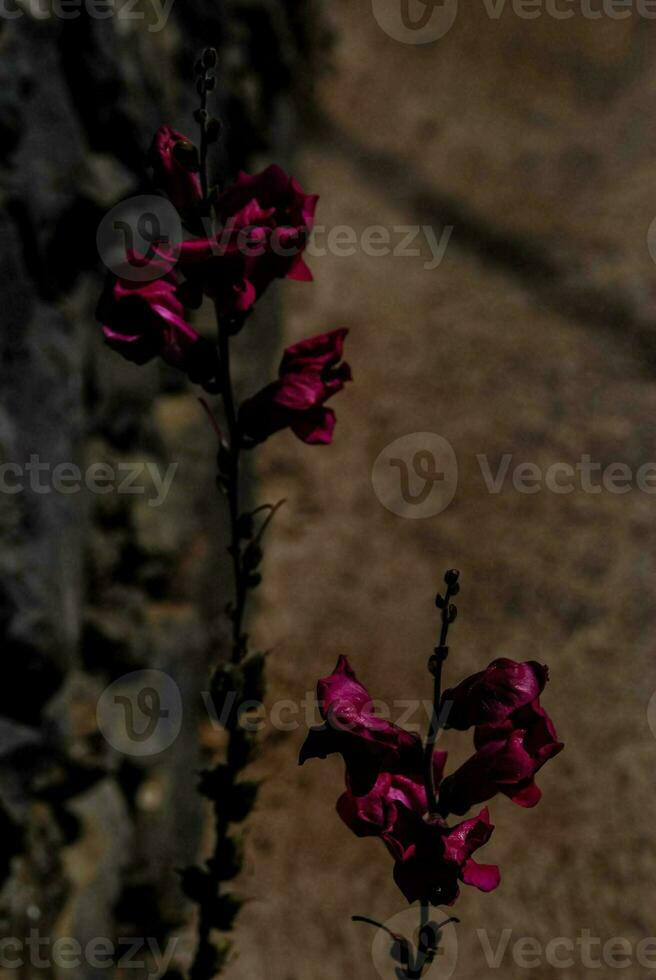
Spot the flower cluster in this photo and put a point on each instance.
(260, 227)
(386, 796)
(236, 243)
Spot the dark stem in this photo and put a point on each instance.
(204, 143)
(204, 952)
(233, 491)
(435, 665)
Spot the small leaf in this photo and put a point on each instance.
(240, 749)
(228, 860)
(225, 911)
(252, 556)
(241, 800)
(254, 677)
(215, 784)
(198, 885)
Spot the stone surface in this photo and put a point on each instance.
(97, 585)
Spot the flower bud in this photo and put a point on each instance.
(210, 57)
(186, 155)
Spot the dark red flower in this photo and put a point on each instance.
(310, 373)
(170, 156)
(431, 858)
(441, 857)
(143, 320)
(491, 695)
(507, 757)
(368, 744)
(266, 220)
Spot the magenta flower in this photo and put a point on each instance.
(431, 858)
(507, 757)
(368, 744)
(266, 220)
(491, 695)
(310, 373)
(171, 169)
(441, 857)
(143, 320)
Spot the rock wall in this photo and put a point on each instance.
(97, 585)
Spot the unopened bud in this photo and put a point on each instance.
(210, 57)
(187, 155)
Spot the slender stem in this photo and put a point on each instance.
(232, 485)
(204, 182)
(435, 665)
(234, 450)
(431, 739)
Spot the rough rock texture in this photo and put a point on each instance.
(95, 586)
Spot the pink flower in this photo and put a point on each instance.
(143, 320)
(491, 695)
(430, 857)
(310, 373)
(368, 744)
(266, 220)
(171, 171)
(507, 757)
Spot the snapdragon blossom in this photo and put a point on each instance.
(144, 320)
(310, 373)
(265, 221)
(508, 756)
(368, 744)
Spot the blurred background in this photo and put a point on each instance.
(525, 145)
